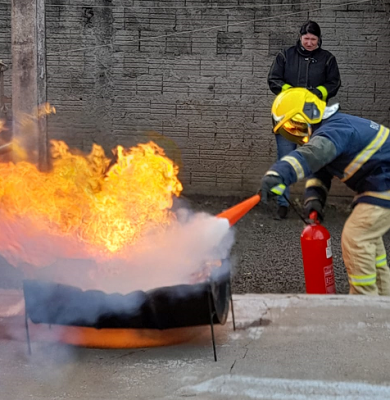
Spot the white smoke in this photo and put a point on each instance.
(162, 257)
(170, 257)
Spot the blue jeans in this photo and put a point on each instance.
(284, 147)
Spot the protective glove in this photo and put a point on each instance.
(271, 184)
(313, 205)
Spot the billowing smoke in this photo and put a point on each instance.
(191, 245)
(163, 274)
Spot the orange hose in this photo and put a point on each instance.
(233, 214)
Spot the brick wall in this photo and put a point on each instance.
(192, 76)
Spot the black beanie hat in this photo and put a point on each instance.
(310, 27)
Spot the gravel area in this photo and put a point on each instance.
(267, 253)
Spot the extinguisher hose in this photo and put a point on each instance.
(296, 211)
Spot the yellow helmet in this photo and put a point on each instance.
(293, 113)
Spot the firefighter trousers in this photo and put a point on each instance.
(363, 250)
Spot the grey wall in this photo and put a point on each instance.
(192, 75)
(5, 53)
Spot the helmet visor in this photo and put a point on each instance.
(296, 129)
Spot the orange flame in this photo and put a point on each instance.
(82, 198)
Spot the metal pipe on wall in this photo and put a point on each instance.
(29, 79)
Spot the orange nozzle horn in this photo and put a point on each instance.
(233, 214)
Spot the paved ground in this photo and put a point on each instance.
(285, 347)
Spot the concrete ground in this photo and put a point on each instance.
(285, 347)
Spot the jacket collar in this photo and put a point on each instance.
(333, 112)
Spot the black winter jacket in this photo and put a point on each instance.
(298, 67)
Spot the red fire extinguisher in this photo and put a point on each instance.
(317, 258)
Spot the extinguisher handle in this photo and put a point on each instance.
(314, 217)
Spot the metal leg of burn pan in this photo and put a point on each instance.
(212, 313)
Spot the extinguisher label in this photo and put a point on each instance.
(329, 279)
(328, 270)
(328, 252)
(328, 248)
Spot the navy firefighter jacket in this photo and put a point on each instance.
(353, 149)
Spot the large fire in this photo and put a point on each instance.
(95, 208)
(105, 224)
(105, 208)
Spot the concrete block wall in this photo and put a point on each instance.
(192, 75)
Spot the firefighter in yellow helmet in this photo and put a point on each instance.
(353, 149)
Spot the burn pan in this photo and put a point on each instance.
(204, 303)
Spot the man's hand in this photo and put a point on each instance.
(271, 184)
(313, 205)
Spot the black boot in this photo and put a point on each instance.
(282, 212)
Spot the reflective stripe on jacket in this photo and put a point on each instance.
(355, 150)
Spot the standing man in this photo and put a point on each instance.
(355, 150)
(304, 65)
